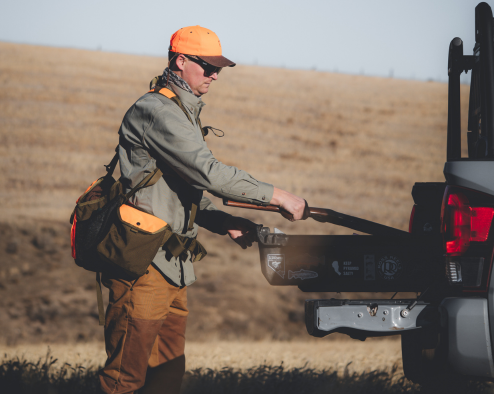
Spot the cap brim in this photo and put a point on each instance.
(218, 61)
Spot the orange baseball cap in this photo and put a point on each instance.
(201, 42)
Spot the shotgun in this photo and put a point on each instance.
(324, 215)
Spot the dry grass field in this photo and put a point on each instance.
(337, 355)
(266, 367)
(354, 144)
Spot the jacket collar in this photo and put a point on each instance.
(193, 103)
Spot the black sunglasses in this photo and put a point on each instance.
(209, 69)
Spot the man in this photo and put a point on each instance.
(146, 318)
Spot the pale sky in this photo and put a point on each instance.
(405, 39)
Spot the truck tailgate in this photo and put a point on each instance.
(350, 263)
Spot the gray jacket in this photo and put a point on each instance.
(156, 132)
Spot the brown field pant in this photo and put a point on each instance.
(144, 335)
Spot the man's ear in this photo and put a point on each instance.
(180, 62)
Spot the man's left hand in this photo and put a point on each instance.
(241, 230)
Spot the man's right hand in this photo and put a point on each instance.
(296, 206)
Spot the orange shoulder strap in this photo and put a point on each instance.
(172, 96)
(164, 91)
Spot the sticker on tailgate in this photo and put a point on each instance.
(302, 274)
(369, 267)
(389, 267)
(277, 263)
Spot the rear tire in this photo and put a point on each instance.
(424, 355)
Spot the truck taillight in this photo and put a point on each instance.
(465, 225)
(462, 224)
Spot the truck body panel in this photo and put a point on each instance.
(469, 338)
(476, 175)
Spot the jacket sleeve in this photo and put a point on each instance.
(174, 140)
(210, 217)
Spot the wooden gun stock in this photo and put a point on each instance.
(271, 208)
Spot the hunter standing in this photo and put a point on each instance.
(146, 318)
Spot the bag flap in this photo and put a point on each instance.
(141, 220)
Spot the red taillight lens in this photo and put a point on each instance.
(481, 223)
(462, 224)
(456, 224)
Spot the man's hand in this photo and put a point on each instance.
(241, 230)
(296, 206)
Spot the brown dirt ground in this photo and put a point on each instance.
(351, 143)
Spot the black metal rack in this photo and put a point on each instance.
(481, 108)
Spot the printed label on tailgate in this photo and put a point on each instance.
(389, 267)
(369, 267)
(346, 267)
(302, 274)
(310, 262)
(277, 263)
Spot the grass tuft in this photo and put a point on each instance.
(19, 376)
(276, 379)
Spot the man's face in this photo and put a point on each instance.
(194, 75)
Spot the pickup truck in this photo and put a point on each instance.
(446, 257)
